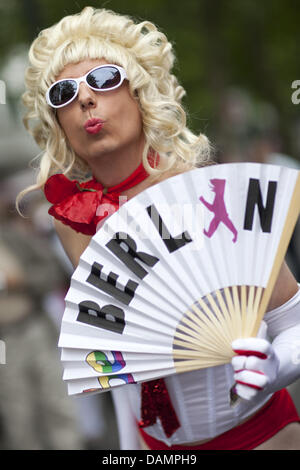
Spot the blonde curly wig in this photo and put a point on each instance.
(148, 58)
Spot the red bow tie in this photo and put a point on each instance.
(75, 204)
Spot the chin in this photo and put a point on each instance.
(97, 155)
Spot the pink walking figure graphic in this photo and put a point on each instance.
(219, 209)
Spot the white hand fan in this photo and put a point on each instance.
(177, 274)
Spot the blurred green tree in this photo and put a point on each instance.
(249, 44)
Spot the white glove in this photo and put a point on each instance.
(255, 367)
(264, 367)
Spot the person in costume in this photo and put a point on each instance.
(108, 116)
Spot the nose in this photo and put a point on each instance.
(86, 97)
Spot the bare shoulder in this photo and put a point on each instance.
(74, 243)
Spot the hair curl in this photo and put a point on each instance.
(148, 58)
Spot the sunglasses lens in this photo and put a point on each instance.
(104, 78)
(62, 92)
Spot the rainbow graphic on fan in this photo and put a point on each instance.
(176, 274)
(100, 362)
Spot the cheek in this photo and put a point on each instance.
(65, 121)
(132, 119)
(127, 109)
(68, 124)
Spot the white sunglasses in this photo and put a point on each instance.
(102, 78)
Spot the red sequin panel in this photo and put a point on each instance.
(156, 403)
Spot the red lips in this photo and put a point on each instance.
(93, 126)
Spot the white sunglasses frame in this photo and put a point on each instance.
(83, 79)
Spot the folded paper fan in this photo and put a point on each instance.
(177, 274)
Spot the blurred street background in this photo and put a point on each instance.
(238, 61)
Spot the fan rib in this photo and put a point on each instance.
(225, 311)
(220, 315)
(191, 365)
(249, 312)
(202, 330)
(210, 318)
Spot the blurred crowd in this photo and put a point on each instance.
(35, 410)
(249, 131)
